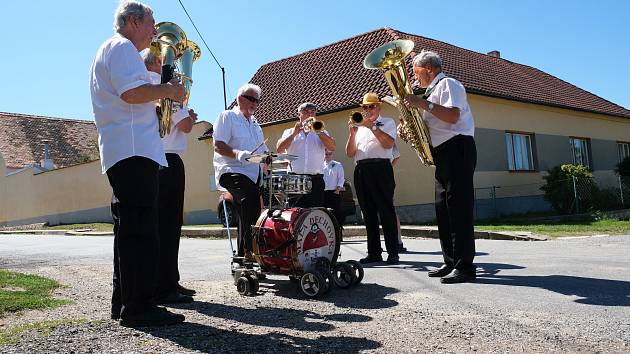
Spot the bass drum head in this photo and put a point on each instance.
(317, 235)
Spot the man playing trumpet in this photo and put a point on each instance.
(309, 145)
(371, 143)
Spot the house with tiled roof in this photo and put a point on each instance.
(30, 141)
(527, 121)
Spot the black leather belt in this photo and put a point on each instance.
(360, 162)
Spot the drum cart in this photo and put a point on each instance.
(302, 243)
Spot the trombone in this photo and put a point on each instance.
(313, 125)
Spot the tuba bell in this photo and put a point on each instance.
(389, 58)
(177, 54)
(314, 125)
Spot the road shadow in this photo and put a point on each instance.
(592, 291)
(360, 296)
(208, 339)
(482, 268)
(274, 317)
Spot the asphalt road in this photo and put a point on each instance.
(581, 285)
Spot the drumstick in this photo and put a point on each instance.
(261, 144)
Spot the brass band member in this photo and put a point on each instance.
(171, 196)
(451, 126)
(237, 136)
(371, 146)
(309, 147)
(131, 152)
(333, 180)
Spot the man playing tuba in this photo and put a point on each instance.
(451, 126)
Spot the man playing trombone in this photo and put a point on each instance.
(308, 140)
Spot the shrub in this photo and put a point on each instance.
(559, 190)
(623, 168)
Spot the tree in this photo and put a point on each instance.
(559, 188)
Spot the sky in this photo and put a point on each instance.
(48, 46)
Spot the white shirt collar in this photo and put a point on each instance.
(435, 80)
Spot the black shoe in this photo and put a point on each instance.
(440, 272)
(174, 298)
(371, 259)
(393, 259)
(401, 248)
(185, 291)
(155, 316)
(458, 276)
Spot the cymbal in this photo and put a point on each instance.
(259, 158)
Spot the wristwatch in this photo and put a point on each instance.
(430, 108)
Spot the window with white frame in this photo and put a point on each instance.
(579, 151)
(519, 152)
(623, 150)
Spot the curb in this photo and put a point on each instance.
(348, 231)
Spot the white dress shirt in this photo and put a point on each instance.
(333, 175)
(449, 92)
(176, 141)
(368, 146)
(124, 130)
(232, 128)
(311, 150)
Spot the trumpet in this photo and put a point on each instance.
(356, 118)
(314, 125)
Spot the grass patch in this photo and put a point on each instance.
(561, 228)
(44, 328)
(104, 227)
(23, 291)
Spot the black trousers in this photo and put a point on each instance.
(333, 201)
(455, 162)
(134, 182)
(171, 218)
(246, 198)
(374, 183)
(315, 198)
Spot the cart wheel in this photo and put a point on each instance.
(253, 284)
(328, 281)
(358, 270)
(312, 284)
(343, 275)
(243, 286)
(322, 265)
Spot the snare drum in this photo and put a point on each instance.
(289, 184)
(291, 240)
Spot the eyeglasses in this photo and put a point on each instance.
(251, 99)
(369, 106)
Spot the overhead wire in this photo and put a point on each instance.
(210, 51)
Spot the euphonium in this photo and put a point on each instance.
(177, 54)
(356, 118)
(312, 124)
(389, 58)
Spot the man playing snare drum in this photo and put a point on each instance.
(237, 136)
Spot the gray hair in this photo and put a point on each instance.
(128, 8)
(150, 57)
(307, 106)
(248, 87)
(427, 57)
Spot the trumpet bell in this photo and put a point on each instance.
(356, 118)
(312, 124)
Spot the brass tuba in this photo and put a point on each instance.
(389, 58)
(312, 124)
(177, 54)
